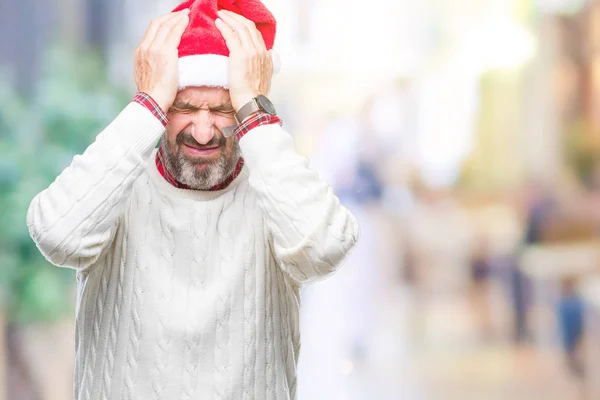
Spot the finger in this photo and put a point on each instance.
(154, 28)
(164, 33)
(240, 30)
(174, 37)
(167, 26)
(233, 43)
(150, 34)
(237, 29)
(258, 40)
(254, 33)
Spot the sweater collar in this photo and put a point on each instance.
(162, 169)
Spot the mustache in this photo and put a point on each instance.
(187, 138)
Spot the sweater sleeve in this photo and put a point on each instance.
(75, 218)
(311, 232)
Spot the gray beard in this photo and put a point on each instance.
(184, 170)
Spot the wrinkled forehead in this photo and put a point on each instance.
(203, 96)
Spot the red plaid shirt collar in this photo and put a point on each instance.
(162, 169)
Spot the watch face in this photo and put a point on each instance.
(266, 104)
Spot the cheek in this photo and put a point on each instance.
(224, 122)
(175, 126)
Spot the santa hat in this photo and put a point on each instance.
(203, 53)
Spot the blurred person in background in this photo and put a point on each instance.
(539, 208)
(481, 269)
(190, 257)
(570, 310)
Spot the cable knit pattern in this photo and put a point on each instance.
(221, 355)
(193, 333)
(133, 337)
(164, 309)
(188, 294)
(114, 327)
(249, 317)
(269, 343)
(96, 333)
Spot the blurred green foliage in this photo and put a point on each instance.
(39, 136)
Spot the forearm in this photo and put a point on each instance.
(74, 217)
(311, 229)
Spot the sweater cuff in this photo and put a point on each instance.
(265, 145)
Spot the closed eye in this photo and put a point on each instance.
(221, 111)
(226, 112)
(178, 110)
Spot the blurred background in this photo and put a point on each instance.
(463, 134)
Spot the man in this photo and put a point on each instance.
(190, 257)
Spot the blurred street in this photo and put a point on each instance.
(443, 344)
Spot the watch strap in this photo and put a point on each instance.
(247, 109)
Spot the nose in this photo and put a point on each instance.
(202, 128)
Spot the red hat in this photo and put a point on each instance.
(203, 53)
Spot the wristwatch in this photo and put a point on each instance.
(259, 103)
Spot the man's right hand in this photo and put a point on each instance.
(156, 58)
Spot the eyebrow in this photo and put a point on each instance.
(222, 107)
(184, 106)
(191, 107)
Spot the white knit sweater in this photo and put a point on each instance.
(188, 294)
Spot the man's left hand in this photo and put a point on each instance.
(250, 63)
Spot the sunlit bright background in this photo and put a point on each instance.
(464, 135)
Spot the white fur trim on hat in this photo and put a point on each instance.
(210, 70)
